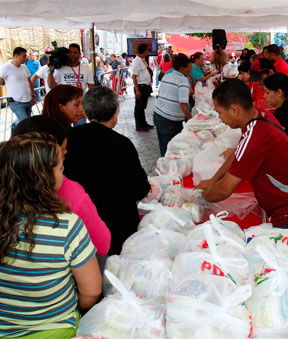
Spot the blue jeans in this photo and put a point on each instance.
(166, 130)
(22, 110)
(37, 93)
(157, 75)
(98, 73)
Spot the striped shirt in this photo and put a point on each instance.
(39, 294)
(174, 89)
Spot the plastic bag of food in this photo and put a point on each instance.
(222, 261)
(123, 315)
(268, 304)
(196, 241)
(208, 307)
(160, 183)
(183, 165)
(149, 278)
(183, 143)
(151, 240)
(168, 218)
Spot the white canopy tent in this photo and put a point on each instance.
(135, 16)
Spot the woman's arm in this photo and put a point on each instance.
(89, 284)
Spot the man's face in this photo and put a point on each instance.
(32, 56)
(266, 54)
(225, 114)
(73, 55)
(21, 57)
(169, 50)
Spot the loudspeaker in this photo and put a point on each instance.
(219, 38)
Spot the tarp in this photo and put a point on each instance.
(178, 16)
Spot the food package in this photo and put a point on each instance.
(269, 302)
(168, 218)
(183, 165)
(150, 240)
(208, 307)
(183, 143)
(140, 276)
(123, 315)
(221, 260)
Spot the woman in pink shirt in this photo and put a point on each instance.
(75, 195)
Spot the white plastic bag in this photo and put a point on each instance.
(151, 240)
(208, 307)
(168, 218)
(182, 163)
(123, 316)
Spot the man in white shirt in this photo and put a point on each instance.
(18, 84)
(142, 88)
(76, 74)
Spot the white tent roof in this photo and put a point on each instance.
(174, 16)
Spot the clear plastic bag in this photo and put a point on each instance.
(140, 276)
(124, 316)
(182, 163)
(268, 304)
(168, 218)
(208, 307)
(151, 240)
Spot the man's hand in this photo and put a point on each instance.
(138, 94)
(33, 101)
(227, 153)
(203, 184)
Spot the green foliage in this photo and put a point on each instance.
(202, 36)
(254, 39)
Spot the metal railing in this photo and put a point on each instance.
(7, 117)
(116, 80)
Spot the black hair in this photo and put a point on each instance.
(166, 57)
(277, 81)
(18, 51)
(100, 103)
(249, 54)
(273, 49)
(41, 124)
(233, 91)
(75, 46)
(180, 60)
(142, 48)
(244, 67)
(124, 55)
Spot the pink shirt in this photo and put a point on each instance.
(82, 205)
(165, 66)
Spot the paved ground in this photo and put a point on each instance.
(146, 143)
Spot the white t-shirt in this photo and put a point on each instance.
(43, 74)
(16, 80)
(66, 76)
(139, 68)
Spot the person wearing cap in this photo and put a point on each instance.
(274, 56)
(262, 147)
(45, 58)
(260, 69)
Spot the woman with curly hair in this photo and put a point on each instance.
(44, 248)
(64, 104)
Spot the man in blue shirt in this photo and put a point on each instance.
(33, 65)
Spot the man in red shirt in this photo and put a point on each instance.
(260, 157)
(274, 56)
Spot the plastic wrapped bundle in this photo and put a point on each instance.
(123, 315)
(183, 165)
(140, 276)
(204, 122)
(151, 240)
(229, 137)
(208, 307)
(222, 261)
(196, 241)
(268, 305)
(168, 218)
(184, 143)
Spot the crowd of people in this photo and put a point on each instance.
(68, 189)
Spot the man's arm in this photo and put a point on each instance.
(34, 78)
(137, 90)
(1, 80)
(51, 81)
(222, 189)
(32, 91)
(185, 109)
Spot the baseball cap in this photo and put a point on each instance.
(48, 50)
(260, 66)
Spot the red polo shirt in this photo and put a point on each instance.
(262, 158)
(281, 66)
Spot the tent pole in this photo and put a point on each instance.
(92, 41)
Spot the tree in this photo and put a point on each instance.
(202, 36)
(254, 39)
